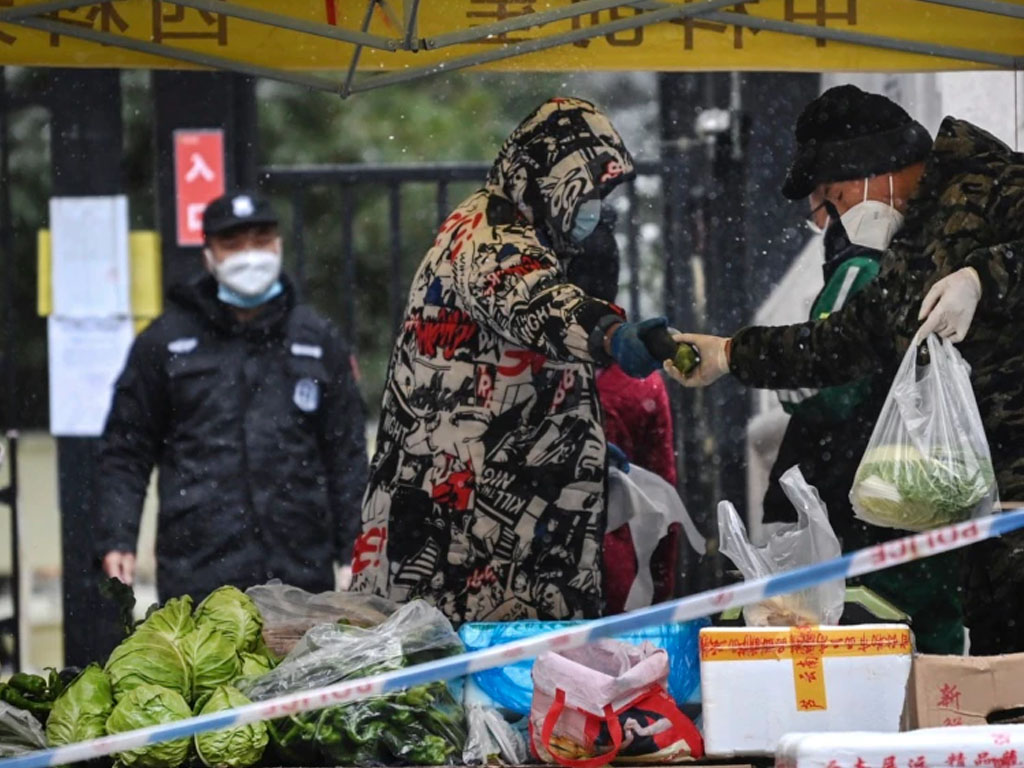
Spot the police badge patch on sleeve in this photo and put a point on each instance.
(307, 395)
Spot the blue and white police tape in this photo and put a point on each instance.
(696, 606)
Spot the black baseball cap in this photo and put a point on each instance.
(847, 133)
(237, 209)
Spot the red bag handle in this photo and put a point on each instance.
(681, 722)
(614, 729)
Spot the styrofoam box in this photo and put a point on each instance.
(758, 684)
(990, 746)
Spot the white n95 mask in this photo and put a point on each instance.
(248, 273)
(872, 223)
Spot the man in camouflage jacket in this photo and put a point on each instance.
(963, 231)
(486, 495)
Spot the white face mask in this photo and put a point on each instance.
(248, 273)
(872, 223)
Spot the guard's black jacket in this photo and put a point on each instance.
(257, 432)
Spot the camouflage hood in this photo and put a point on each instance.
(565, 153)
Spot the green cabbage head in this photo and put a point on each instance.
(212, 660)
(234, 615)
(144, 706)
(173, 621)
(149, 658)
(255, 665)
(897, 486)
(237, 747)
(80, 712)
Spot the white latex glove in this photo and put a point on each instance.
(949, 307)
(714, 362)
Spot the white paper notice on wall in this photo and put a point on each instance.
(91, 275)
(86, 357)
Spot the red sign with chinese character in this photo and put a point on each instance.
(198, 179)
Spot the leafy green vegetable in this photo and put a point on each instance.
(237, 747)
(123, 597)
(144, 706)
(254, 665)
(212, 660)
(899, 487)
(173, 620)
(149, 658)
(81, 711)
(233, 614)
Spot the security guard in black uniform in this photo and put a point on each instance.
(247, 403)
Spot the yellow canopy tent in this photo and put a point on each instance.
(347, 46)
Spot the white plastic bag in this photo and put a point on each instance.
(648, 504)
(789, 545)
(492, 739)
(927, 463)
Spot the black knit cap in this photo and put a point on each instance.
(848, 134)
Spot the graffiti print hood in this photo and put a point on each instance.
(565, 153)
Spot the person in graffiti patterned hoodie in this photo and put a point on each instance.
(486, 495)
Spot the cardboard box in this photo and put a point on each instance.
(760, 684)
(972, 747)
(963, 690)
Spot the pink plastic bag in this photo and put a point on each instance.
(607, 702)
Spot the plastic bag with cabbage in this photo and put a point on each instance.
(147, 705)
(80, 712)
(237, 747)
(928, 462)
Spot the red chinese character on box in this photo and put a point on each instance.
(956, 760)
(489, 11)
(693, 24)
(626, 39)
(88, 16)
(917, 762)
(822, 12)
(949, 696)
(860, 763)
(889, 762)
(952, 721)
(174, 22)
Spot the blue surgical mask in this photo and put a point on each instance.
(587, 218)
(236, 299)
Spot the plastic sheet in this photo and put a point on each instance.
(288, 612)
(20, 731)
(422, 725)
